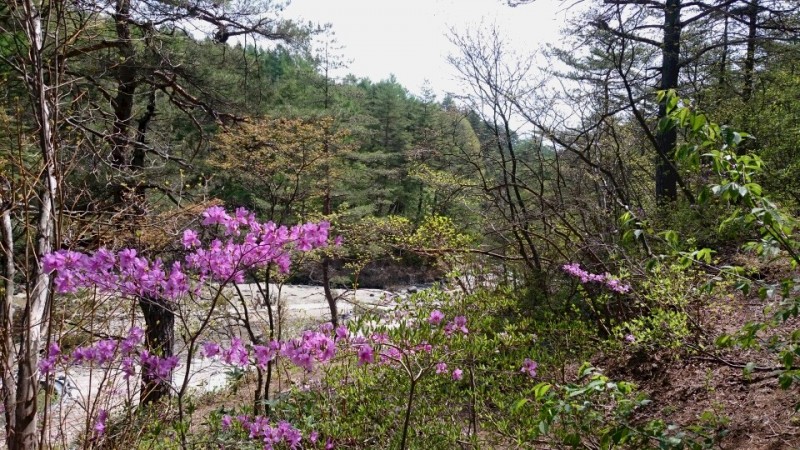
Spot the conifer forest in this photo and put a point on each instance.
(211, 239)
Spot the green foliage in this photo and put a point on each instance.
(599, 410)
(438, 238)
(662, 320)
(734, 185)
(364, 406)
(408, 179)
(438, 232)
(367, 239)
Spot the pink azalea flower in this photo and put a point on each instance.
(436, 317)
(100, 422)
(215, 215)
(460, 323)
(236, 355)
(342, 332)
(529, 367)
(210, 349)
(226, 422)
(127, 367)
(135, 337)
(47, 364)
(365, 354)
(190, 239)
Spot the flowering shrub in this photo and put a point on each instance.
(424, 343)
(261, 429)
(443, 348)
(574, 270)
(248, 244)
(224, 250)
(406, 379)
(105, 352)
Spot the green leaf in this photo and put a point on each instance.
(744, 286)
(672, 101)
(704, 254)
(698, 121)
(572, 439)
(787, 358)
(671, 237)
(683, 115)
(785, 380)
(665, 124)
(586, 368)
(743, 191)
(754, 188)
(628, 236)
(540, 390)
(704, 195)
(544, 426)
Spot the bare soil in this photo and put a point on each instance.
(754, 411)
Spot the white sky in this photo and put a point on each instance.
(408, 38)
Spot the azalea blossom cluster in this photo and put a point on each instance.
(108, 351)
(459, 323)
(321, 346)
(312, 346)
(123, 272)
(614, 284)
(305, 351)
(48, 363)
(389, 352)
(156, 367)
(260, 428)
(246, 244)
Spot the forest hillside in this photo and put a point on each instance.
(211, 241)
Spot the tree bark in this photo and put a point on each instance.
(6, 321)
(326, 287)
(160, 339)
(723, 60)
(126, 86)
(750, 54)
(38, 300)
(327, 209)
(666, 175)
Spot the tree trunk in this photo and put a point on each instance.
(327, 209)
(126, 87)
(38, 300)
(326, 286)
(750, 55)
(723, 60)
(158, 314)
(7, 351)
(160, 339)
(666, 175)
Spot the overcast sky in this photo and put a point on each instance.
(408, 38)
